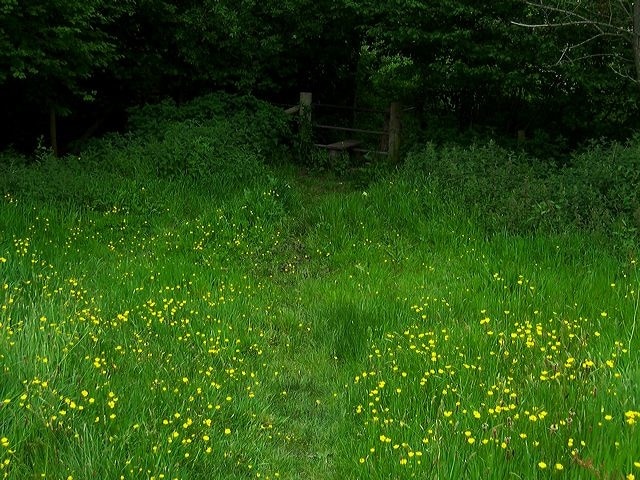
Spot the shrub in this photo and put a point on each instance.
(596, 190)
(258, 124)
(199, 143)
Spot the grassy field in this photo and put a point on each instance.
(302, 327)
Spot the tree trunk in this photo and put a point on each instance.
(53, 130)
(636, 37)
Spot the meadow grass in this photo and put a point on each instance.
(301, 328)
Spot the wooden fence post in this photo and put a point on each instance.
(522, 136)
(306, 98)
(394, 132)
(53, 131)
(305, 133)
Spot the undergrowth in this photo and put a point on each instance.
(595, 191)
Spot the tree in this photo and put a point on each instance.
(458, 59)
(49, 48)
(612, 26)
(468, 61)
(458, 56)
(265, 46)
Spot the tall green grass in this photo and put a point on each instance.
(250, 322)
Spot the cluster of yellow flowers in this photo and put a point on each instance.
(502, 382)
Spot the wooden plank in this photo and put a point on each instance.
(343, 145)
(305, 127)
(347, 129)
(292, 110)
(53, 131)
(340, 146)
(345, 107)
(522, 136)
(375, 152)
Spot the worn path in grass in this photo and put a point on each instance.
(350, 277)
(373, 268)
(311, 401)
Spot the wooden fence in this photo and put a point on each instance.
(389, 135)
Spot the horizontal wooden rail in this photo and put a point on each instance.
(347, 129)
(348, 148)
(343, 145)
(364, 150)
(353, 109)
(390, 134)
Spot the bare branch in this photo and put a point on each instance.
(613, 19)
(595, 55)
(569, 48)
(593, 38)
(578, 19)
(619, 31)
(610, 12)
(624, 7)
(624, 75)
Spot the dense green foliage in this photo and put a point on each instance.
(219, 142)
(464, 66)
(597, 190)
(53, 45)
(225, 142)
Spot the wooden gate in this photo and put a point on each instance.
(389, 135)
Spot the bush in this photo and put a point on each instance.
(63, 181)
(255, 123)
(200, 143)
(596, 190)
(218, 139)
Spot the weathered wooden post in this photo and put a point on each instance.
(522, 136)
(395, 112)
(306, 98)
(53, 131)
(305, 137)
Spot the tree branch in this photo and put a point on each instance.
(620, 32)
(578, 19)
(624, 7)
(614, 19)
(596, 55)
(569, 48)
(595, 37)
(624, 75)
